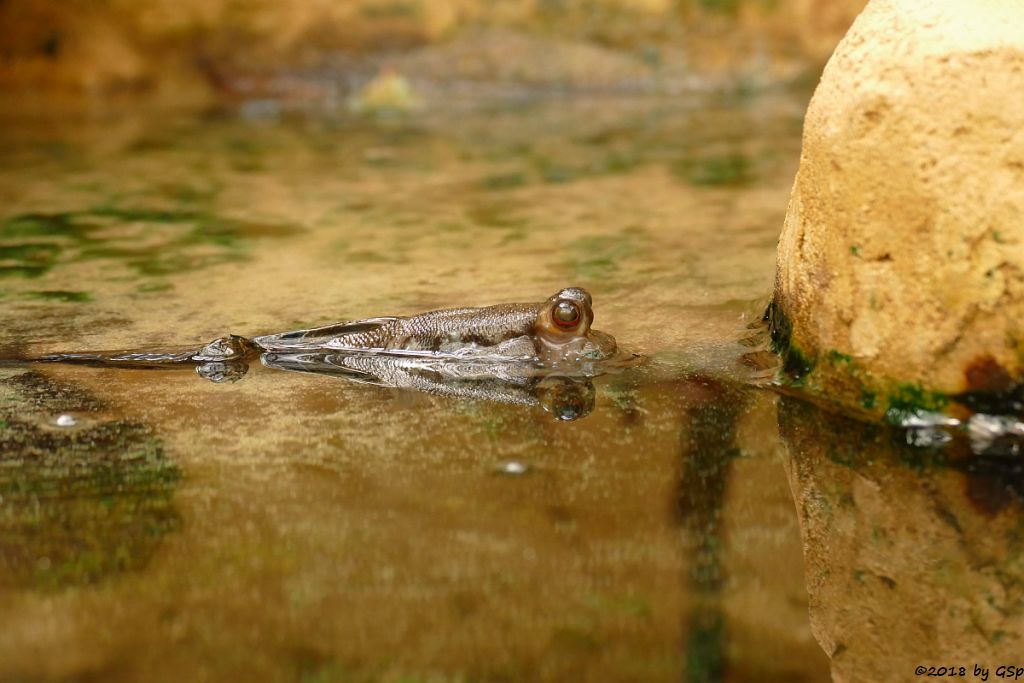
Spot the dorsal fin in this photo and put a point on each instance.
(319, 335)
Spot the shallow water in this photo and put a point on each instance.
(294, 527)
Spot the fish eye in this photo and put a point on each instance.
(566, 315)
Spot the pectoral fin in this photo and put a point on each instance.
(317, 337)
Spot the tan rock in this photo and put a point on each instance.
(902, 256)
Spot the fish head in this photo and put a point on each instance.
(565, 317)
(563, 328)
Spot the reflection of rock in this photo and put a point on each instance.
(901, 259)
(76, 503)
(907, 562)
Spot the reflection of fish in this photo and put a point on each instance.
(566, 397)
(554, 332)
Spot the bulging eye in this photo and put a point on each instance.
(566, 315)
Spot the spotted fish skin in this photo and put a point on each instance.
(488, 326)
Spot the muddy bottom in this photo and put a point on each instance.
(689, 525)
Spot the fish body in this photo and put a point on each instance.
(552, 332)
(443, 331)
(530, 354)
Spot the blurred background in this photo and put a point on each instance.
(191, 52)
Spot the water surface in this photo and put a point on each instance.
(291, 527)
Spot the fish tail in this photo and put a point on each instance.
(229, 348)
(126, 359)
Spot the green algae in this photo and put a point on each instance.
(61, 224)
(394, 9)
(729, 7)
(497, 214)
(796, 366)
(64, 296)
(852, 443)
(29, 260)
(868, 399)
(369, 257)
(626, 605)
(901, 400)
(838, 357)
(909, 400)
(80, 504)
(725, 169)
(560, 170)
(598, 257)
(186, 237)
(30, 252)
(847, 380)
(705, 650)
(504, 181)
(152, 287)
(23, 271)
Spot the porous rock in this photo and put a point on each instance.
(901, 262)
